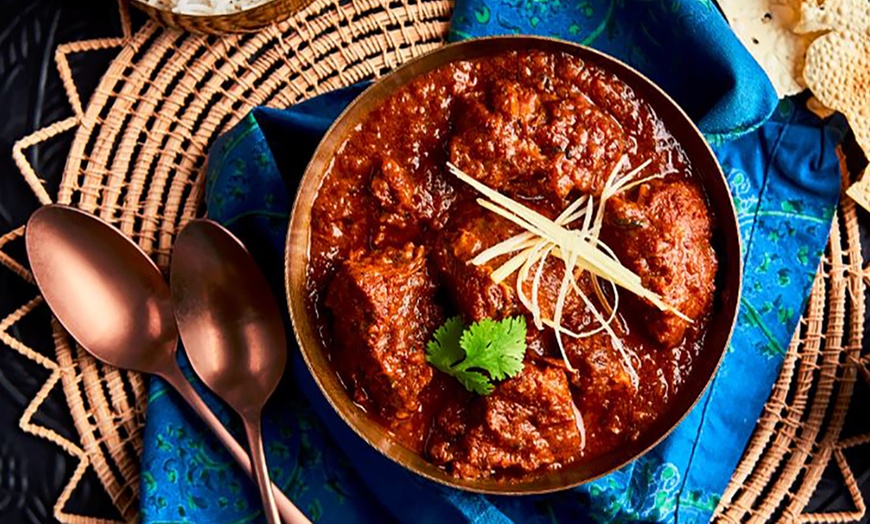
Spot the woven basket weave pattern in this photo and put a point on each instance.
(138, 161)
(799, 431)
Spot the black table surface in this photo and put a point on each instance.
(34, 471)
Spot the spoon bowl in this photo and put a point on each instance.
(228, 318)
(103, 289)
(231, 327)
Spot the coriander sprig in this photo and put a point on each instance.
(480, 354)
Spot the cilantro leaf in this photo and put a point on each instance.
(443, 350)
(486, 351)
(497, 347)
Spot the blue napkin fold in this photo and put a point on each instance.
(783, 175)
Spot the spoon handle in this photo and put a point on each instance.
(258, 457)
(290, 514)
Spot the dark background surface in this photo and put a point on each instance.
(33, 471)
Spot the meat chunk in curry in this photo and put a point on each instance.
(469, 231)
(664, 235)
(603, 379)
(384, 310)
(534, 144)
(526, 424)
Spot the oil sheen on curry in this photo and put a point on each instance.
(489, 193)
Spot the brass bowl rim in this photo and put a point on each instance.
(728, 225)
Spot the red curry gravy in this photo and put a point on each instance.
(393, 233)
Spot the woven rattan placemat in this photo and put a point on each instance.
(138, 161)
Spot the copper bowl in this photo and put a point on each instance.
(726, 242)
(244, 21)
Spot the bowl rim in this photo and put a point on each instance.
(732, 246)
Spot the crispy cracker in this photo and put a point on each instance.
(766, 29)
(837, 68)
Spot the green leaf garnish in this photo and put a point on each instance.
(479, 355)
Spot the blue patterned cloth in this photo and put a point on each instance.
(784, 177)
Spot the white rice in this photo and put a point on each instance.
(205, 7)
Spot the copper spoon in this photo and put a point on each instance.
(231, 328)
(113, 300)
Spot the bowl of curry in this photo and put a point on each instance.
(513, 265)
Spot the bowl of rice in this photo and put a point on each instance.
(219, 16)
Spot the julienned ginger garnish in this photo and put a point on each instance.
(580, 249)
